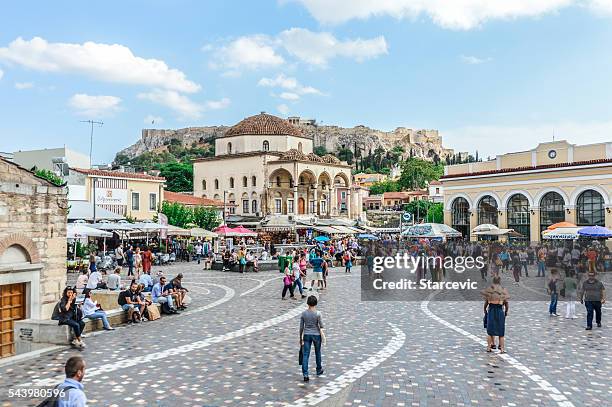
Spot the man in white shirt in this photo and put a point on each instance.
(114, 280)
(119, 255)
(146, 279)
(94, 278)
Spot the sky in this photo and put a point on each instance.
(491, 75)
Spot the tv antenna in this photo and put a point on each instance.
(91, 122)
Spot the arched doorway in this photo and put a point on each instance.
(487, 210)
(590, 209)
(551, 209)
(518, 215)
(301, 206)
(460, 216)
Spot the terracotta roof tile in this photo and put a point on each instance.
(264, 124)
(118, 174)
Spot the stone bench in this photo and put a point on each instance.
(33, 334)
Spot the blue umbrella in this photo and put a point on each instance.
(595, 232)
(367, 236)
(321, 238)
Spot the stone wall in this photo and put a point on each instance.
(33, 216)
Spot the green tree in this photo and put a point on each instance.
(320, 150)
(417, 173)
(179, 176)
(50, 176)
(435, 213)
(178, 214)
(207, 218)
(384, 186)
(345, 154)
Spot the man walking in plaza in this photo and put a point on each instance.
(73, 394)
(592, 295)
(129, 256)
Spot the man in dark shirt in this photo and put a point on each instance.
(592, 295)
(130, 301)
(129, 256)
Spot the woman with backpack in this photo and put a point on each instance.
(68, 313)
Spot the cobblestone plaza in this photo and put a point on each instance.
(238, 345)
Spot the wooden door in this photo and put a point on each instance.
(301, 206)
(12, 308)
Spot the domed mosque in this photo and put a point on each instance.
(265, 166)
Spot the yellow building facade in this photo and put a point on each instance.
(134, 195)
(530, 190)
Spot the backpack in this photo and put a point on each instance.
(53, 400)
(56, 316)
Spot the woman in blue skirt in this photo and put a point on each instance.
(496, 310)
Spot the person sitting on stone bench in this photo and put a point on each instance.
(81, 282)
(145, 303)
(162, 296)
(92, 310)
(130, 302)
(95, 280)
(146, 281)
(66, 312)
(114, 280)
(174, 288)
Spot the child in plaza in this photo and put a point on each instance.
(311, 332)
(287, 283)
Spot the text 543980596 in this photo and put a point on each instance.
(35, 392)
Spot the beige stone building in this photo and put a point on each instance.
(32, 248)
(265, 166)
(530, 190)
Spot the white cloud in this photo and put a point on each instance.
(1, 73)
(283, 108)
(94, 106)
(601, 6)
(289, 96)
(472, 60)
(453, 14)
(23, 85)
(105, 62)
(150, 119)
(293, 87)
(523, 137)
(317, 48)
(181, 104)
(250, 52)
(222, 103)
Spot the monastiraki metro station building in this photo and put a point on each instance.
(265, 166)
(530, 190)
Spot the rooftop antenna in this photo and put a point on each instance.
(553, 134)
(91, 122)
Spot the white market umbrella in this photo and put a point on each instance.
(81, 231)
(200, 232)
(485, 227)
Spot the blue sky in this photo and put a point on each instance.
(491, 75)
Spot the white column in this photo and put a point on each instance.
(348, 202)
(332, 202)
(295, 200)
(316, 202)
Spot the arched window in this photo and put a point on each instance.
(204, 184)
(487, 210)
(590, 209)
(231, 182)
(300, 146)
(245, 182)
(216, 184)
(253, 181)
(229, 148)
(551, 210)
(254, 206)
(266, 145)
(278, 182)
(460, 216)
(518, 215)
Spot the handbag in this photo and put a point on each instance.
(301, 355)
(484, 320)
(153, 313)
(187, 299)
